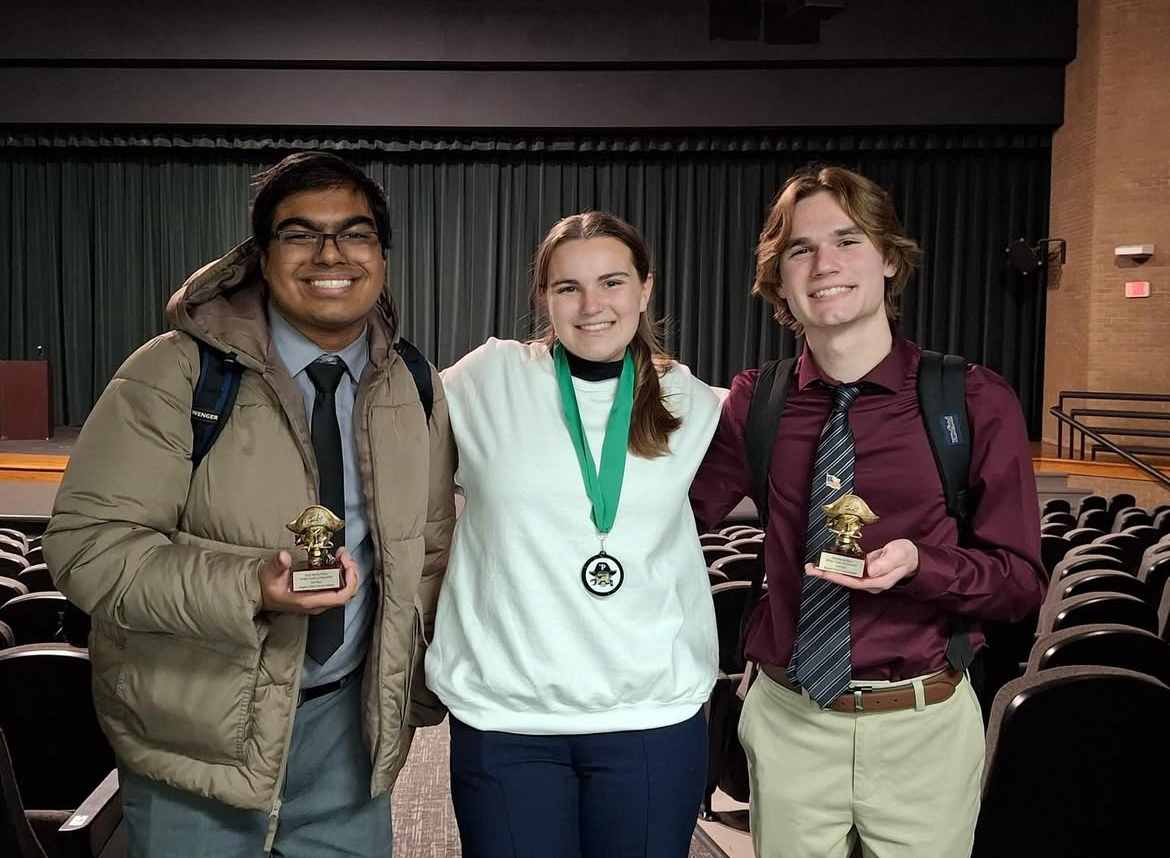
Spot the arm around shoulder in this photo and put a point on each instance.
(109, 545)
(724, 478)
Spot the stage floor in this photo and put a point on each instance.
(31, 470)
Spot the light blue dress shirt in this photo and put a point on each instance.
(296, 352)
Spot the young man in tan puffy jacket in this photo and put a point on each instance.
(247, 717)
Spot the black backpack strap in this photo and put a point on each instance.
(420, 370)
(942, 399)
(763, 422)
(213, 398)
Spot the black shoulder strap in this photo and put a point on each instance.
(213, 398)
(763, 422)
(219, 381)
(420, 370)
(942, 399)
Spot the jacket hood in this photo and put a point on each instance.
(223, 305)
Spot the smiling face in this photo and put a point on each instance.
(324, 293)
(831, 274)
(595, 297)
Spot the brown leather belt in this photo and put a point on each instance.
(936, 689)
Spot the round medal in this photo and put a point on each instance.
(602, 575)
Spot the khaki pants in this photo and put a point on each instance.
(906, 782)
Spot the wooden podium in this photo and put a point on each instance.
(26, 411)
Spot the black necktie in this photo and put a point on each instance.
(821, 660)
(326, 630)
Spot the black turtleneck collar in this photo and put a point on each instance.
(591, 370)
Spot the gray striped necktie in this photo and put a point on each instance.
(820, 658)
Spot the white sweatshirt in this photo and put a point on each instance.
(520, 645)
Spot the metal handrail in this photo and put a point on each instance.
(1115, 396)
(1158, 476)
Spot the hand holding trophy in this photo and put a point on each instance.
(321, 570)
(844, 519)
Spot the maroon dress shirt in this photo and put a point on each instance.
(902, 632)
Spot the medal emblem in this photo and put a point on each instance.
(602, 575)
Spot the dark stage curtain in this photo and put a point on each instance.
(97, 229)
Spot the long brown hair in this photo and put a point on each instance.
(652, 422)
(867, 204)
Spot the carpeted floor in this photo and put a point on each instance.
(424, 822)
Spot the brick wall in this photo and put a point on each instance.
(1111, 186)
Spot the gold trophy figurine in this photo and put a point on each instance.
(845, 516)
(314, 528)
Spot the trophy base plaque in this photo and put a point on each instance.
(842, 564)
(309, 579)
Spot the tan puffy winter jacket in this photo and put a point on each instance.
(195, 686)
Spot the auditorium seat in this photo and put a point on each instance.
(747, 544)
(1054, 529)
(1057, 505)
(17, 839)
(1094, 608)
(711, 553)
(1100, 581)
(734, 531)
(730, 600)
(1120, 501)
(1059, 517)
(739, 567)
(13, 543)
(12, 565)
(1128, 518)
(1131, 548)
(35, 617)
(1146, 534)
(1084, 562)
(1155, 575)
(1052, 550)
(1081, 535)
(1097, 519)
(37, 579)
(1104, 644)
(1094, 548)
(1162, 521)
(10, 588)
(34, 555)
(7, 638)
(1158, 549)
(1076, 761)
(1164, 615)
(1089, 502)
(712, 539)
(92, 830)
(58, 751)
(717, 577)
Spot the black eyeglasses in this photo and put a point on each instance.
(358, 245)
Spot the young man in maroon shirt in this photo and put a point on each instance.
(896, 758)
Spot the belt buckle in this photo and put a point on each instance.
(857, 695)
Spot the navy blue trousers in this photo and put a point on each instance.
(633, 794)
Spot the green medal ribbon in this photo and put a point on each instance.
(603, 486)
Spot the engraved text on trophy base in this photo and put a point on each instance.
(830, 561)
(316, 578)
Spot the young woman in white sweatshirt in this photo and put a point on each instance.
(575, 640)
